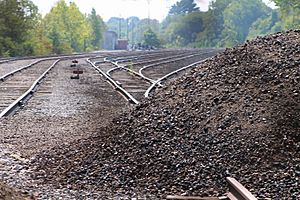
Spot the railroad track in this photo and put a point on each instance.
(19, 84)
(133, 84)
(16, 88)
(8, 67)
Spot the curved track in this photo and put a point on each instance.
(135, 76)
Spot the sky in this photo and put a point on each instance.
(124, 8)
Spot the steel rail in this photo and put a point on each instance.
(12, 108)
(237, 191)
(6, 61)
(2, 78)
(127, 96)
(119, 67)
(174, 60)
(141, 75)
(154, 54)
(51, 56)
(139, 55)
(181, 55)
(171, 74)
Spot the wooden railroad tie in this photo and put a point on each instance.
(236, 192)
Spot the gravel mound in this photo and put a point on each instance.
(7, 193)
(235, 115)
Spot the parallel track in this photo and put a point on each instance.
(18, 85)
(16, 90)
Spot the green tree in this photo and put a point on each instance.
(151, 39)
(67, 28)
(98, 28)
(238, 17)
(290, 13)
(213, 24)
(183, 7)
(16, 20)
(57, 30)
(37, 43)
(132, 28)
(183, 30)
(117, 25)
(265, 25)
(143, 26)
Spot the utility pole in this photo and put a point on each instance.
(120, 27)
(148, 1)
(127, 31)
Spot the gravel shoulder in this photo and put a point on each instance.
(63, 110)
(13, 65)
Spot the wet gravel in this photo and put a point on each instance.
(235, 115)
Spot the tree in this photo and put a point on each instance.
(287, 3)
(117, 25)
(183, 7)
(265, 25)
(132, 28)
(238, 17)
(16, 19)
(183, 30)
(290, 13)
(151, 39)
(67, 28)
(98, 28)
(143, 26)
(213, 24)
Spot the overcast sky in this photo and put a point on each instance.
(122, 8)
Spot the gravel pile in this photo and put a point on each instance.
(7, 193)
(235, 115)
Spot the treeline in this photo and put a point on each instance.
(225, 24)
(23, 31)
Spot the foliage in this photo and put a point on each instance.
(213, 23)
(132, 28)
(290, 13)
(67, 28)
(151, 39)
(184, 31)
(98, 27)
(16, 20)
(183, 7)
(265, 25)
(238, 17)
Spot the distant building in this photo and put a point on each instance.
(122, 44)
(110, 39)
